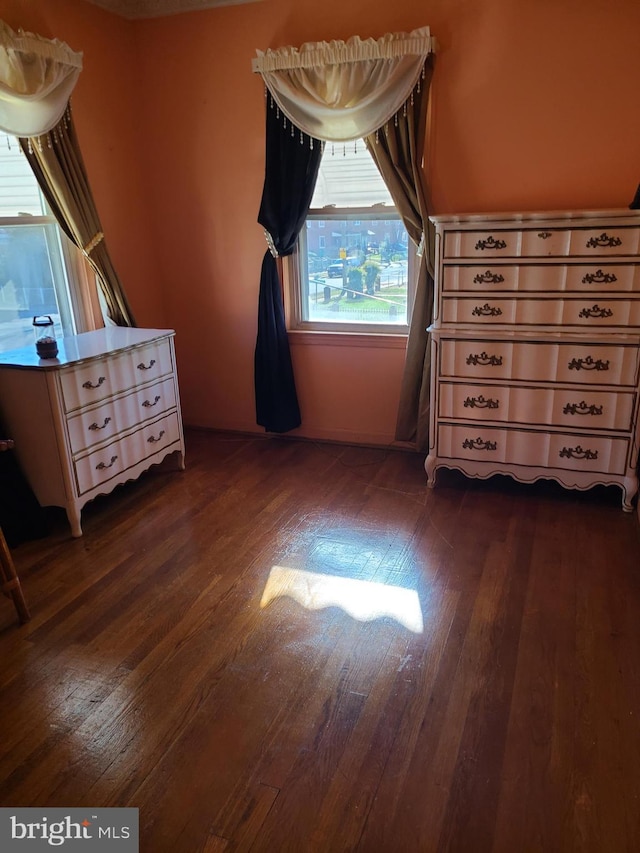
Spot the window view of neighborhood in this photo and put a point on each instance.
(356, 270)
(354, 249)
(30, 254)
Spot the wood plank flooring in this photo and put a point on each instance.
(297, 647)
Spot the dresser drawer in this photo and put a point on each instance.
(583, 408)
(103, 378)
(605, 241)
(531, 277)
(104, 422)
(542, 242)
(108, 462)
(542, 311)
(533, 449)
(577, 364)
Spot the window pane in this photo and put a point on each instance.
(29, 264)
(19, 190)
(358, 274)
(348, 177)
(33, 277)
(353, 253)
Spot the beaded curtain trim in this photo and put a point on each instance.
(286, 122)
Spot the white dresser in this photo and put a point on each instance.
(97, 416)
(535, 348)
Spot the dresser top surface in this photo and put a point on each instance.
(563, 218)
(85, 347)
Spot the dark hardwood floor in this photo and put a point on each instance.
(298, 647)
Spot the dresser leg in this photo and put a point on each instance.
(430, 468)
(73, 514)
(629, 491)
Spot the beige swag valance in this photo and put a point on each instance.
(340, 91)
(37, 76)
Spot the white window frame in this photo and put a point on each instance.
(80, 309)
(294, 291)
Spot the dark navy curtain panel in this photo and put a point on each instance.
(291, 170)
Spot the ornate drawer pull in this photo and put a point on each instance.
(544, 235)
(596, 312)
(95, 426)
(582, 409)
(588, 363)
(89, 384)
(577, 453)
(490, 243)
(152, 439)
(599, 277)
(603, 242)
(147, 404)
(485, 360)
(486, 311)
(142, 366)
(488, 277)
(102, 465)
(481, 403)
(479, 444)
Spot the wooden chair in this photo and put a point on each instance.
(9, 580)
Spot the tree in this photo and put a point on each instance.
(355, 282)
(371, 272)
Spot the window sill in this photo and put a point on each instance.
(306, 337)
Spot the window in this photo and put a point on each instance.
(39, 267)
(355, 277)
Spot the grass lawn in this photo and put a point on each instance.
(377, 308)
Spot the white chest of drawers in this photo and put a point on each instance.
(97, 416)
(536, 348)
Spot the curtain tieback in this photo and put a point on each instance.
(270, 243)
(420, 249)
(97, 238)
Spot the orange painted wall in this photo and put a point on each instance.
(535, 105)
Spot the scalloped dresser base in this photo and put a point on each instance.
(569, 480)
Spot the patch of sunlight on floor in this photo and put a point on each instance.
(362, 600)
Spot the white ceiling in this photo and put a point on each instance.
(159, 8)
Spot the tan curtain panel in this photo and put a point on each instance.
(57, 163)
(398, 152)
